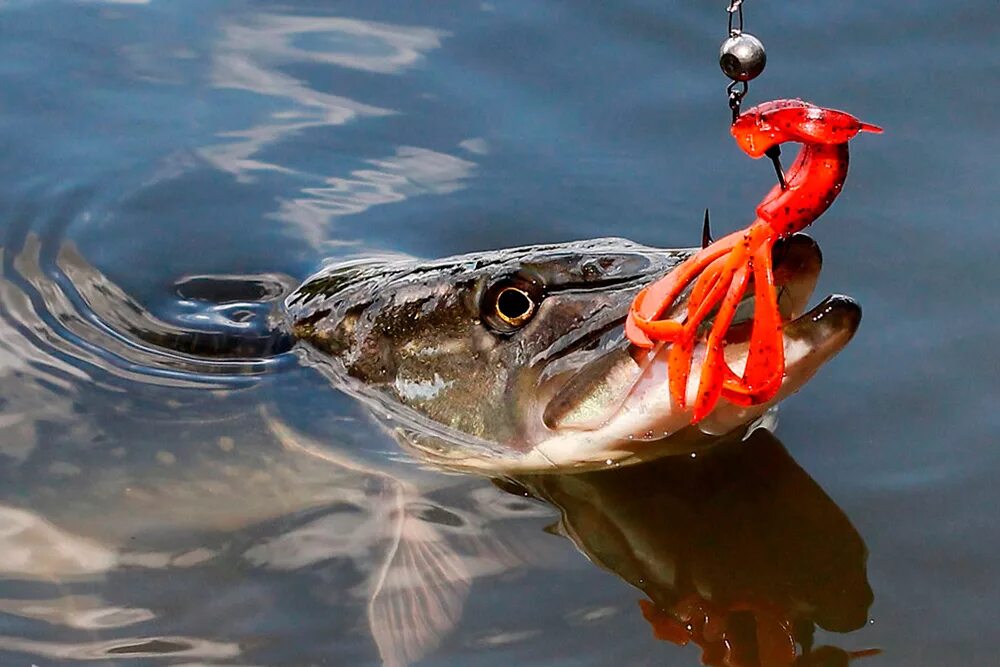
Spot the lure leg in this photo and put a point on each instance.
(764, 369)
(709, 288)
(682, 351)
(736, 391)
(766, 357)
(654, 300)
(664, 291)
(679, 369)
(705, 285)
(641, 331)
(699, 310)
(713, 368)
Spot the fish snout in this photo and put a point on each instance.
(833, 322)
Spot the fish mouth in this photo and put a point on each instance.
(611, 408)
(797, 265)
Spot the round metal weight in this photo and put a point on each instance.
(742, 57)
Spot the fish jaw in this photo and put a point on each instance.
(649, 424)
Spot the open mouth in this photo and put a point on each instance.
(797, 264)
(605, 389)
(811, 335)
(823, 329)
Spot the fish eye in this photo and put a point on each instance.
(514, 306)
(510, 305)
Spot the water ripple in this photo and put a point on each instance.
(64, 319)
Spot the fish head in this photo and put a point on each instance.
(515, 360)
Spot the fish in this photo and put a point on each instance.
(515, 361)
(494, 362)
(498, 363)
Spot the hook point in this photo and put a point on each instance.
(706, 232)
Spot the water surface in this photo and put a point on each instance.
(261, 519)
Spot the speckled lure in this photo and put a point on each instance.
(722, 272)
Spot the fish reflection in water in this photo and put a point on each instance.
(739, 551)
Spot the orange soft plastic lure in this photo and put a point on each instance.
(720, 631)
(722, 271)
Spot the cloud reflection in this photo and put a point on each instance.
(33, 548)
(362, 45)
(80, 612)
(257, 55)
(250, 56)
(412, 171)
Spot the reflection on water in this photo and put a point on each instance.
(739, 551)
(252, 56)
(64, 306)
(411, 171)
(181, 647)
(31, 547)
(83, 612)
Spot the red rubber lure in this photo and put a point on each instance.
(722, 271)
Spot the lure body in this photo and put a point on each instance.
(723, 271)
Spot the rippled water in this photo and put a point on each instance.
(176, 511)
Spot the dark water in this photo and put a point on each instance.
(263, 521)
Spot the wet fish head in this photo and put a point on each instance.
(470, 342)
